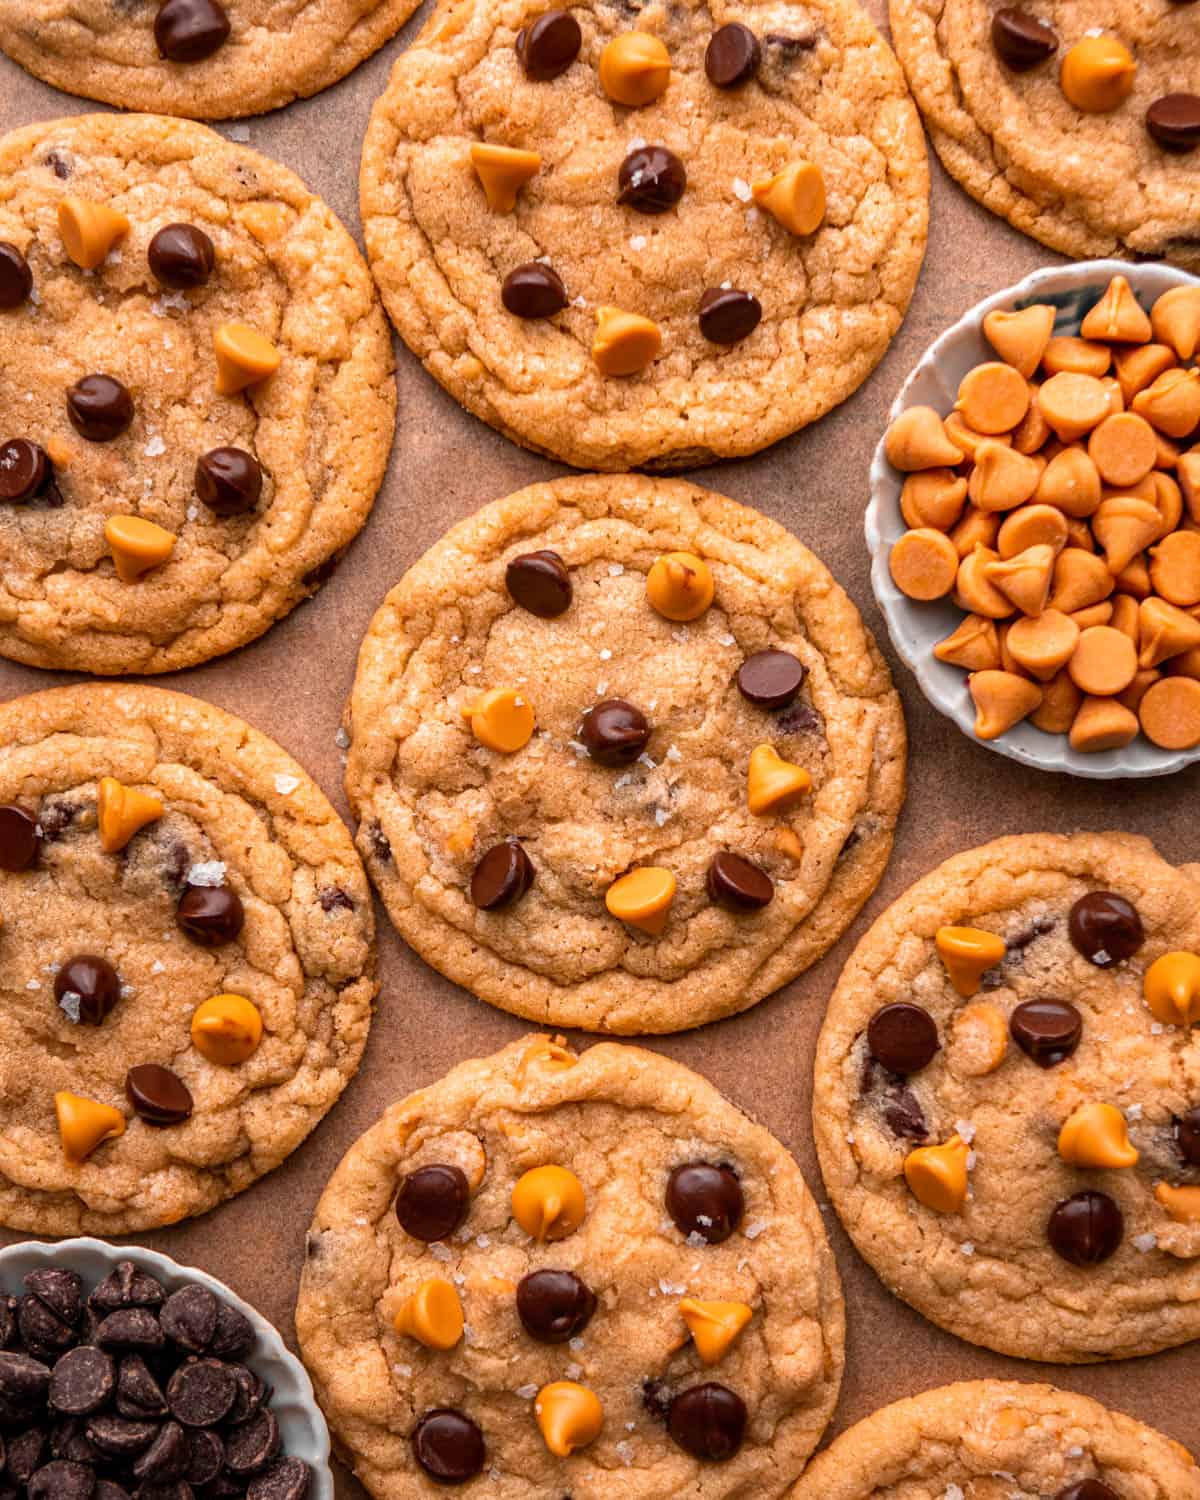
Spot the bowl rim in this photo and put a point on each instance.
(269, 1341)
(1023, 743)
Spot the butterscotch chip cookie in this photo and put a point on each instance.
(196, 395)
(1007, 1104)
(207, 59)
(1005, 1439)
(623, 754)
(572, 1275)
(646, 237)
(1108, 168)
(187, 951)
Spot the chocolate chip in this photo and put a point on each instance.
(1174, 121)
(554, 1306)
(333, 898)
(771, 679)
(107, 1490)
(189, 1317)
(229, 481)
(706, 1200)
(60, 163)
(1086, 1229)
(380, 846)
(127, 1286)
(83, 1380)
(25, 1455)
(1105, 928)
(235, 1333)
(167, 1456)
(44, 1334)
(657, 1396)
(25, 470)
(737, 884)
(540, 583)
(251, 1395)
(1048, 1031)
(210, 914)
(133, 1330)
(69, 1441)
(534, 290)
(1021, 40)
(100, 408)
(448, 1446)
(8, 1321)
(62, 1480)
(903, 1038)
(708, 1421)
(201, 1392)
(206, 1457)
(289, 1479)
(732, 56)
(502, 876)
(651, 180)
(904, 1116)
(87, 988)
(190, 30)
(614, 732)
(548, 46)
(1187, 1136)
(1087, 1489)
(181, 257)
(119, 1437)
(175, 1489)
(16, 279)
(24, 1383)
(433, 1202)
(251, 1446)
(728, 315)
(158, 1096)
(790, 45)
(138, 1393)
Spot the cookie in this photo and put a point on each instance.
(196, 396)
(1075, 120)
(1007, 1101)
(571, 1274)
(623, 754)
(647, 235)
(998, 1438)
(188, 958)
(206, 59)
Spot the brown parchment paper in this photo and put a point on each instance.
(294, 681)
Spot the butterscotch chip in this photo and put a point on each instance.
(976, 528)
(1102, 724)
(1030, 526)
(502, 171)
(1032, 431)
(635, 68)
(1116, 400)
(1117, 316)
(973, 644)
(1168, 501)
(1104, 662)
(1188, 472)
(1175, 568)
(1097, 74)
(625, 342)
(1164, 631)
(1071, 482)
(1025, 578)
(1172, 403)
(1167, 452)
(1002, 699)
(795, 197)
(1143, 680)
(975, 592)
(1094, 614)
(1123, 526)
(1042, 646)
(1175, 318)
(89, 230)
(933, 497)
(1123, 449)
(992, 398)
(1060, 703)
(1140, 366)
(1134, 578)
(1185, 664)
(1067, 354)
(1170, 713)
(966, 438)
(1002, 478)
(917, 440)
(923, 564)
(1073, 404)
(1080, 579)
(1079, 534)
(1020, 338)
(1124, 615)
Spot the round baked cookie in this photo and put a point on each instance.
(109, 404)
(1007, 1101)
(1000, 1440)
(1086, 182)
(607, 870)
(604, 1222)
(186, 958)
(206, 59)
(601, 226)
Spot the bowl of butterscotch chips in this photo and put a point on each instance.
(1034, 520)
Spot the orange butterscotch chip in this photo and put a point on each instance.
(433, 1315)
(84, 1124)
(933, 497)
(1094, 614)
(1183, 1205)
(1032, 431)
(1164, 630)
(1134, 578)
(121, 811)
(1042, 646)
(1097, 74)
(1071, 482)
(1169, 711)
(976, 528)
(89, 230)
(642, 898)
(923, 564)
(227, 1029)
(635, 68)
(1175, 318)
(1104, 662)
(937, 1175)
(1002, 478)
(1080, 579)
(569, 1416)
(1175, 568)
(1141, 366)
(1060, 703)
(1073, 404)
(1124, 615)
(795, 197)
(975, 592)
(973, 645)
(1001, 699)
(137, 545)
(1144, 679)
(992, 398)
(1168, 501)
(1020, 338)
(1117, 316)
(1032, 526)
(625, 343)
(680, 586)
(1025, 578)
(1171, 987)
(548, 1203)
(1096, 1135)
(244, 357)
(772, 783)
(917, 439)
(1102, 724)
(1066, 354)
(502, 719)
(1123, 449)
(503, 171)
(714, 1326)
(967, 438)
(1172, 403)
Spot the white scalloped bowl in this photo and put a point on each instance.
(301, 1424)
(916, 628)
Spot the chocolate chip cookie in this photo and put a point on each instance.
(1007, 1104)
(196, 395)
(989, 1439)
(651, 234)
(1075, 120)
(188, 957)
(207, 59)
(571, 1274)
(624, 755)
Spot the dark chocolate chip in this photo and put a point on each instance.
(728, 315)
(771, 679)
(1187, 1136)
(62, 1480)
(131, 1330)
(657, 1396)
(158, 1096)
(708, 1421)
(1021, 40)
(18, 838)
(540, 583)
(1048, 1031)
(706, 1200)
(904, 1116)
(190, 30)
(127, 1286)
(614, 732)
(138, 1392)
(100, 408)
(1105, 928)
(119, 1437)
(106, 1489)
(189, 1317)
(235, 1333)
(380, 846)
(502, 876)
(172, 1489)
(60, 163)
(1086, 1229)
(432, 1202)
(554, 1306)
(533, 290)
(167, 1456)
(25, 471)
(1088, 1489)
(61, 1290)
(24, 1383)
(44, 1334)
(333, 898)
(25, 1452)
(548, 46)
(8, 1321)
(252, 1445)
(732, 56)
(89, 982)
(210, 914)
(82, 1382)
(181, 257)
(448, 1446)
(69, 1441)
(201, 1392)
(206, 1457)
(251, 1395)
(229, 481)
(16, 279)
(1174, 121)
(738, 884)
(789, 45)
(651, 180)
(903, 1038)
(289, 1479)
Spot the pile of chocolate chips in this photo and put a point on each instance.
(134, 1395)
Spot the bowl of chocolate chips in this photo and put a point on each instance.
(124, 1376)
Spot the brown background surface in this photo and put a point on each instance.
(293, 682)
